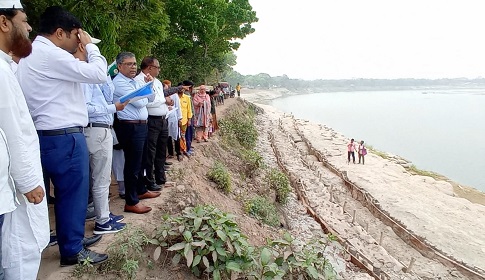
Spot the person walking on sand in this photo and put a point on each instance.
(350, 151)
(362, 151)
(238, 89)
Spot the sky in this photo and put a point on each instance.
(342, 39)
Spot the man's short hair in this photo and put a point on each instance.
(147, 61)
(55, 17)
(9, 13)
(188, 83)
(122, 56)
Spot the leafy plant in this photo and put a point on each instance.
(252, 161)
(219, 174)
(211, 244)
(208, 239)
(263, 210)
(125, 254)
(279, 182)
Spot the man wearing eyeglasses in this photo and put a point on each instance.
(156, 144)
(132, 133)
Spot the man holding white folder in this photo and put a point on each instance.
(132, 133)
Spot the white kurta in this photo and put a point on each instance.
(25, 232)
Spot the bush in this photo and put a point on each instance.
(212, 244)
(238, 127)
(207, 238)
(125, 255)
(252, 161)
(219, 174)
(263, 210)
(278, 181)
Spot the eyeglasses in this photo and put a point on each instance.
(129, 64)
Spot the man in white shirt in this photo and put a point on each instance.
(156, 143)
(23, 209)
(50, 79)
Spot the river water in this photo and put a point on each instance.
(438, 130)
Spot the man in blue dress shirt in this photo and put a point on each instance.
(132, 134)
(99, 101)
(50, 79)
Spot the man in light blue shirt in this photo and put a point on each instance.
(132, 133)
(99, 102)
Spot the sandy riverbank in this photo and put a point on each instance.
(432, 210)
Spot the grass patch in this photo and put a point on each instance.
(125, 255)
(373, 150)
(252, 161)
(416, 171)
(278, 181)
(237, 127)
(263, 210)
(219, 174)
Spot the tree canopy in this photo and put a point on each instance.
(193, 39)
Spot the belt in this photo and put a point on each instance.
(103, 125)
(62, 131)
(133, 121)
(157, 117)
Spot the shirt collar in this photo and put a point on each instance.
(124, 77)
(44, 40)
(5, 57)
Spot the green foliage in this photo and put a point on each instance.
(219, 174)
(237, 127)
(263, 210)
(414, 170)
(278, 181)
(252, 161)
(190, 38)
(125, 254)
(211, 244)
(208, 239)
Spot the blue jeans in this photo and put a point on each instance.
(189, 136)
(65, 160)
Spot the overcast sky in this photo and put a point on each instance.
(334, 39)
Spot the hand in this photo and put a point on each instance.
(169, 101)
(36, 195)
(83, 37)
(148, 78)
(120, 106)
(180, 123)
(170, 108)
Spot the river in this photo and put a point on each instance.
(438, 130)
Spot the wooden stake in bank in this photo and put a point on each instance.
(408, 269)
(381, 238)
(353, 216)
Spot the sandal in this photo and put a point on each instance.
(180, 157)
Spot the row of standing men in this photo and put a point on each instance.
(56, 123)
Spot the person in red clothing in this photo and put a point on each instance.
(351, 151)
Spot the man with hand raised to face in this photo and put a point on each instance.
(23, 208)
(51, 81)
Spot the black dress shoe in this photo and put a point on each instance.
(154, 187)
(90, 241)
(85, 254)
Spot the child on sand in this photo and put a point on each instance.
(362, 151)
